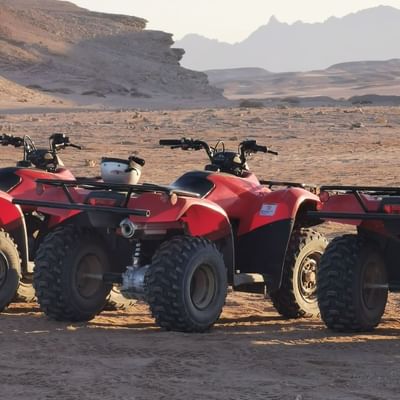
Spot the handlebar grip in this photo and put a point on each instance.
(76, 146)
(10, 140)
(263, 149)
(275, 153)
(171, 142)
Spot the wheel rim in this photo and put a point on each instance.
(88, 285)
(307, 277)
(202, 287)
(4, 266)
(374, 285)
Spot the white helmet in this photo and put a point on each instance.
(117, 170)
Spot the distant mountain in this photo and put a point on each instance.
(338, 81)
(371, 34)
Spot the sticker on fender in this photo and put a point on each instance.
(268, 210)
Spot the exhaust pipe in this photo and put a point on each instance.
(128, 228)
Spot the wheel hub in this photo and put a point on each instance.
(89, 266)
(374, 285)
(4, 266)
(308, 277)
(202, 287)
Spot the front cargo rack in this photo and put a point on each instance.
(308, 186)
(125, 189)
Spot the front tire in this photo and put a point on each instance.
(352, 285)
(10, 269)
(186, 284)
(297, 295)
(63, 265)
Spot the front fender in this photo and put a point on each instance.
(262, 248)
(12, 221)
(271, 207)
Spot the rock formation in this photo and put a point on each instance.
(67, 51)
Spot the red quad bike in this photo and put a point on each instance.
(184, 243)
(357, 271)
(21, 229)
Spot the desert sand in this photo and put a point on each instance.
(252, 353)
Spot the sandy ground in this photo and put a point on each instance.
(252, 353)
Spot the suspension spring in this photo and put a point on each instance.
(136, 254)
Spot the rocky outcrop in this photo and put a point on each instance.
(57, 47)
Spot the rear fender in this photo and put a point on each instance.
(206, 221)
(212, 223)
(12, 221)
(195, 217)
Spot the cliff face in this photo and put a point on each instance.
(57, 47)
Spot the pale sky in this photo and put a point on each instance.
(227, 20)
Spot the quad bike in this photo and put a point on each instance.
(357, 270)
(20, 183)
(184, 243)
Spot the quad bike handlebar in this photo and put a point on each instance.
(251, 146)
(59, 141)
(45, 159)
(187, 144)
(225, 161)
(10, 140)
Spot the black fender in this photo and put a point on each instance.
(263, 250)
(227, 248)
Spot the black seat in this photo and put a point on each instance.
(195, 182)
(9, 179)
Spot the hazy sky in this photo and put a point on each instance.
(227, 20)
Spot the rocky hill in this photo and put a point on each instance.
(371, 34)
(57, 48)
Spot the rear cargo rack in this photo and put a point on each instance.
(356, 191)
(361, 216)
(92, 185)
(375, 190)
(82, 207)
(127, 191)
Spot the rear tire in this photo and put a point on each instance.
(297, 296)
(62, 262)
(10, 269)
(186, 284)
(352, 285)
